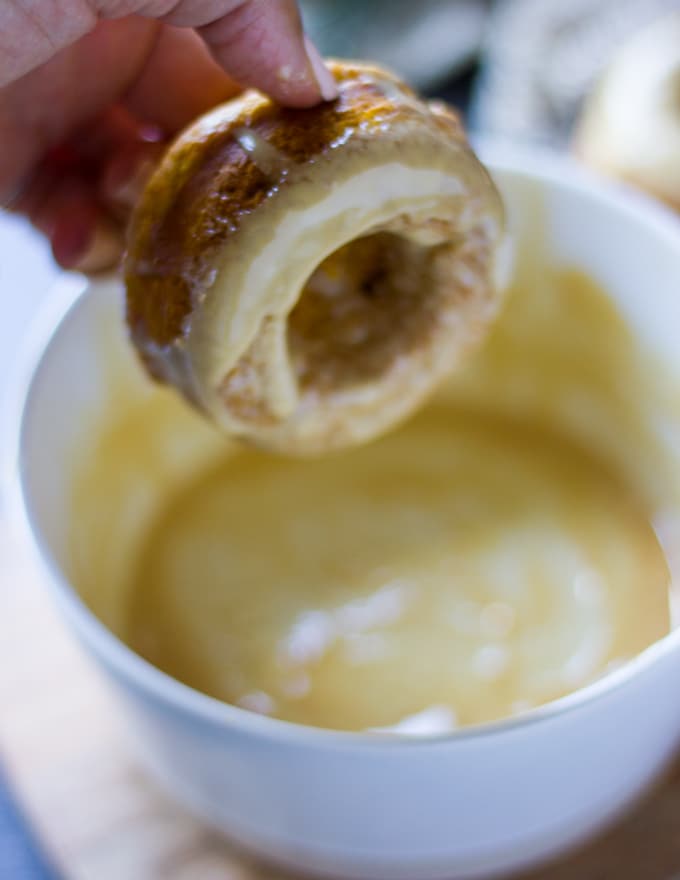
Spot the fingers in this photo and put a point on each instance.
(45, 107)
(124, 177)
(261, 43)
(81, 235)
(31, 33)
(164, 75)
(80, 195)
(84, 239)
(179, 81)
(257, 42)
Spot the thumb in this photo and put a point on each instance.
(261, 43)
(258, 43)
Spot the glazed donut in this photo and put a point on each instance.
(630, 125)
(308, 277)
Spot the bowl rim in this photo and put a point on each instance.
(538, 164)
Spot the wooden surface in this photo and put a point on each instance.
(99, 818)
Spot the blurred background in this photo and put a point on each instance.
(520, 67)
(520, 70)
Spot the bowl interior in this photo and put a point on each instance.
(605, 372)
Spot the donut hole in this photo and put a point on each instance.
(364, 309)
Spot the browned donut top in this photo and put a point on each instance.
(207, 183)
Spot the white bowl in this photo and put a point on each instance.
(473, 803)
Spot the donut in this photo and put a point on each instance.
(630, 125)
(307, 278)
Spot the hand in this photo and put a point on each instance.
(90, 89)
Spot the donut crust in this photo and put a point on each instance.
(240, 172)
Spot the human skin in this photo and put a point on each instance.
(90, 89)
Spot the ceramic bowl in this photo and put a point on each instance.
(473, 803)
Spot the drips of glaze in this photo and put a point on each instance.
(269, 160)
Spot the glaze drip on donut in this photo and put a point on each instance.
(307, 277)
(270, 161)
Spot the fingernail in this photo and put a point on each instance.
(324, 78)
(103, 250)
